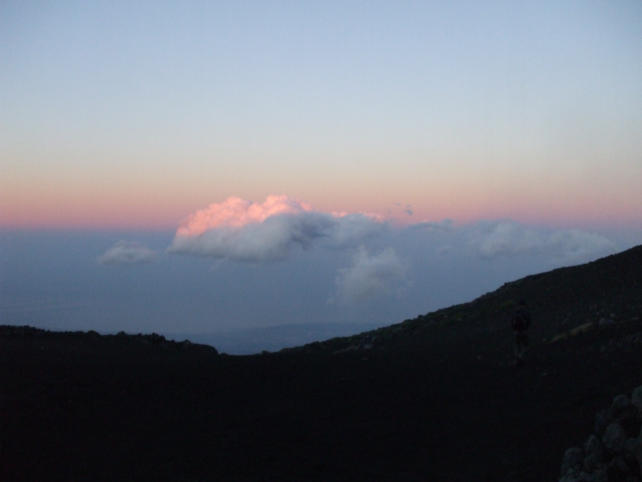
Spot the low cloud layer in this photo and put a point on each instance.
(371, 276)
(240, 230)
(494, 239)
(128, 252)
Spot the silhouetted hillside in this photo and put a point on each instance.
(434, 398)
(605, 292)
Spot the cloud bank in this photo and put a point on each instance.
(241, 230)
(506, 238)
(124, 252)
(371, 276)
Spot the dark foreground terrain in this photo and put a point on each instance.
(434, 398)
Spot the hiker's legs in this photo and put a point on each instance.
(521, 343)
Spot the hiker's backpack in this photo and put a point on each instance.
(520, 322)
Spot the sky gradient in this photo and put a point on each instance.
(135, 115)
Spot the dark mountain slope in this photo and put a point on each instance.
(607, 290)
(433, 399)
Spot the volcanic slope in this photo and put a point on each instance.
(433, 398)
(605, 292)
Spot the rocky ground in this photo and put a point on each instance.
(614, 451)
(434, 398)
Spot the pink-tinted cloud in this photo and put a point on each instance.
(235, 212)
(245, 231)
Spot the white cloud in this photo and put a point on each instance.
(124, 252)
(507, 238)
(579, 246)
(244, 231)
(371, 276)
(350, 229)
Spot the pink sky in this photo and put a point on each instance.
(548, 207)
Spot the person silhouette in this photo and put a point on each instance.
(520, 323)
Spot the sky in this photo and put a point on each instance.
(193, 167)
